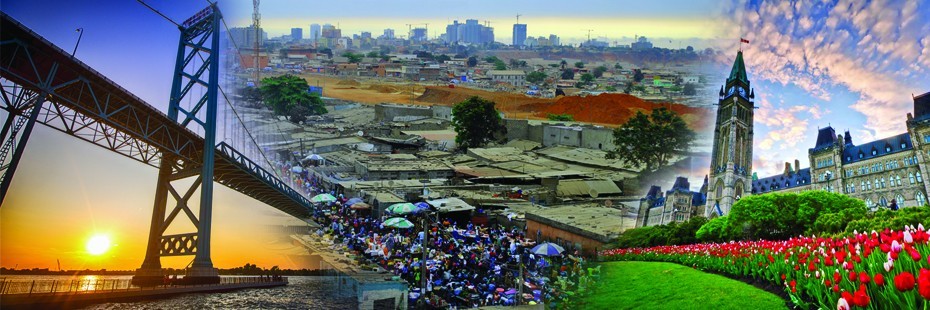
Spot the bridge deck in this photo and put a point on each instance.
(84, 103)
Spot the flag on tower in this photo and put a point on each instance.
(741, 40)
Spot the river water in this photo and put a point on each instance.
(301, 293)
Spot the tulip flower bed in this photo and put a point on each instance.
(877, 270)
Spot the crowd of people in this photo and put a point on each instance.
(466, 265)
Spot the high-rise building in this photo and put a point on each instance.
(519, 34)
(314, 32)
(731, 162)
(554, 40)
(641, 44)
(331, 32)
(452, 32)
(418, 35)
(470, 32)
(297, 34)
(388, 34)
(244, 37)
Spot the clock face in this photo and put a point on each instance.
(742, 92)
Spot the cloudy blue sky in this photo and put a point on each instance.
(852, 65)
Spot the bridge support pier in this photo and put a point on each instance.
(200, 39)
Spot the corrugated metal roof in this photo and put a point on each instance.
(450, 205)
(587, 188)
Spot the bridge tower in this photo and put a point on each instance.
(198, 57)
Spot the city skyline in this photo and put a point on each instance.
(682, 22)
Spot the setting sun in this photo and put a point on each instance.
(98, 244)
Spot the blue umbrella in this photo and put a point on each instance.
(422, 206)
(353, 201)
(547, 249)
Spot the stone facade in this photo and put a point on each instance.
(731, 162)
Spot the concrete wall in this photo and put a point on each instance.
(516, 128)
(387, 112)
(569, 239)
(560, 135)
(598, 138)
(442, 112)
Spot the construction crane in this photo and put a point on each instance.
(589, 34)
(409, 31)
(518, 18)
(256, 23)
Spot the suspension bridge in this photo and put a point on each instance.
(43, 84)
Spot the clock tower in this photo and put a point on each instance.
(731, 164)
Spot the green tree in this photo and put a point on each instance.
(638, 75)
(650, 141)
(579, 65)
(563, 63)
(500, 65)
(491, 59)
(714, 231)
(442, 58)
(472, 61)
(561, 117)
(568, 74)
(618, 66)
(587, 78)
(777, 216)
(536, 77)
(599, 71)
(373, 54)
(553, 65)
(353, 58)
(476, 122)
(610, 88)
(283, 93)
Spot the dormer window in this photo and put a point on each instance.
(860, 155)
(903, 146)
(887, 148)
(848, 158)
(874, 152)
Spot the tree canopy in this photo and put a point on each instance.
(472, 61)
(650, 140)
(587, 79)
(599, 71)
(579, 65)
(353, 58)
(536, 77)
(284, 93)
(568, 74)
(475, 122)
(561, 117)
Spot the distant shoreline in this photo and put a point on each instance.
(167, 271)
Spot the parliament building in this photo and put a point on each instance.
(881, 173)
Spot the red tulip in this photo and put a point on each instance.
(827, 283)
(879, 280)
(863, 277)
(852, 276)
(836, 288)
(861, 299)
(904, 281)
(923, 283)
(811, 267)
(848, 297)
(783, 277)
(914, 255)
(836, 277)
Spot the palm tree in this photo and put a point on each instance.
(563, 63)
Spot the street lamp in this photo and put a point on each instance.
(80, 32)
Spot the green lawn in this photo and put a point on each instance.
(650, 285)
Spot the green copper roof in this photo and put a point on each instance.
(739, 69)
